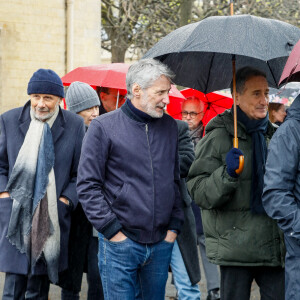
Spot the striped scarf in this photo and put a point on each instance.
(34, 227)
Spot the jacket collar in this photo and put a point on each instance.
(133, 114)
(57, 128)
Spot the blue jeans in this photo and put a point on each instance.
(130, 270)
(186, 291)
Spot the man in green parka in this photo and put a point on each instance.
(240, 237)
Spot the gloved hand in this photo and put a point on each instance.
(233, 161)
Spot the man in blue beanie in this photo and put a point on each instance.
(39, 152)
(239, 236)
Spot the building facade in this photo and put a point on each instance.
(56, 34)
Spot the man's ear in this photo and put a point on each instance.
(136, 90)
(237, 98)
(102, 96)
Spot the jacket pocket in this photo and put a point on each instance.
(111, 192)
(120, 195)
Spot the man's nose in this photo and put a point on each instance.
(41, 103)
(166, 100)
(264, 100)
(94, 111)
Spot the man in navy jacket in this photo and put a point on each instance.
(128, 186)
(39, 154)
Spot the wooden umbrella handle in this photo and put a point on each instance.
(242, 158)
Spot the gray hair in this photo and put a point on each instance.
(144, 73)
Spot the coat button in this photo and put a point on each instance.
(234, 228)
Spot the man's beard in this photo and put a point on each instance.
(148, 109)
(47, 116)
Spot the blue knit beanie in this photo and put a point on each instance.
(45, 81)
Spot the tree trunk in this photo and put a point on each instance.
(118, 47)
(186, 12)
(117, 54)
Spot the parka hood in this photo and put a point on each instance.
(294, 110)
(225, 119)
(220, 121)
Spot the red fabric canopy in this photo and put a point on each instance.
(291, 71)
(105, 75)
(214, 103)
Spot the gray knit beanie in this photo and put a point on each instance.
(81, 96)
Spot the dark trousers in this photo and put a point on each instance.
(19, 287)
(236, 282)
(95, 291)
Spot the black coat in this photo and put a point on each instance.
(187, 239)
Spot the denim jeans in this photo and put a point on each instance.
(130, 270)
(210, 270)
(186, 291)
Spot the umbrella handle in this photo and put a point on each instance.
(241, 165)
(242, 158)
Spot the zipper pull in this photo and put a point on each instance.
(147, 127)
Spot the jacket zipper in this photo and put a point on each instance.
(153, 189)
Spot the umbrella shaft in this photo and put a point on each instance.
(235, 140)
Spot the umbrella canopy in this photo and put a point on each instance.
(285, 94)
(201, 53)
(104, 75)
(291, 71)
(214, 103)
(176, 99)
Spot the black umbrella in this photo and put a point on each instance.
(201, 53)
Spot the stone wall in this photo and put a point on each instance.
(33, 35)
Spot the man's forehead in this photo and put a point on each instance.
(115, 92)
(192, 103)
(257, 82)
(44, 95)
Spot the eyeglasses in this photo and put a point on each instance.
(192, 114)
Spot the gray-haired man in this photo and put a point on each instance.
(129, 186)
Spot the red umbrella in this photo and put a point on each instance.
(176, 99)
(105, 75)
(291, 71)
(214, 103)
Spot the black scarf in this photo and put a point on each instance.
(257, 129)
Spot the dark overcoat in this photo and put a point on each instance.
(67, 132)
(187, 239)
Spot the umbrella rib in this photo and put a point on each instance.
(272, 73)
(211, 62)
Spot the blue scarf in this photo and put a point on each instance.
(34, 227)
(257, 129)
